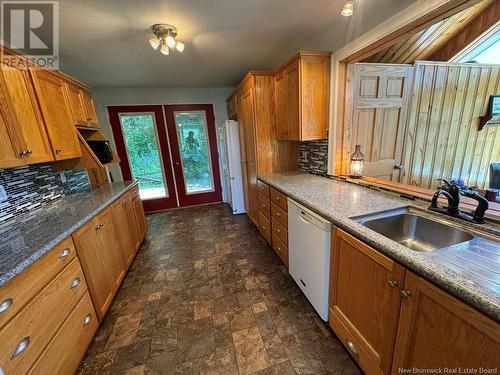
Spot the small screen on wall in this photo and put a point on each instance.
(494, 107)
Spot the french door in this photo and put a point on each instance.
(171, 150)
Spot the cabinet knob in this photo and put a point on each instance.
(277, 199)
(278, 231)
(64, 253)
(278, 214)
(6, 304)
(58, 150)
(22, 153)
(263, 227)
(99, 226)
(75, 283)
(87, 320)
(29, 152)
(393, 284)
(21, 347)
(405, 294)
(352, 348)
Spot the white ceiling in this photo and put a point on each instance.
(105, 42)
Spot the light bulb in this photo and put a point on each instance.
(155, 42)
(164, 49)
(348, 9)
(170, 41)
(179, 46)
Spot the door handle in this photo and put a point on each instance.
(177, 163)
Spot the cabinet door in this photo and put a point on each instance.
(91, 258)
(125, 234)
(140, 218)
(364, 300)
(110, 248)
(253, 192)
(280, 96)
(131, 221)
(57, 114)
(28, 119)
(89, 106)
(293, 101)
(75, 99)
(437, 330)
(9, 146)
(249, 124)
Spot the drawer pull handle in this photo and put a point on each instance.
(278, 214)
(393, 284)
(6, 304)
(21, 347)
(87, 320)
(75, 283)
(404, 294)
(352, 348)
(263, 205)
(277, 199)
(64, 253)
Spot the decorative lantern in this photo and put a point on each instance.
(357, 161)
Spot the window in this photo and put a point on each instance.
(486, 50)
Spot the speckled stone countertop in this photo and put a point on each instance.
(469, 270)
(27, 238)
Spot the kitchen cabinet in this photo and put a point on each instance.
(301, 97)
(82, 106)
(232, 111)
(437, 330)
(120, 211)
(364, 301)
(53, 99)
(140, 217)
(26, 139)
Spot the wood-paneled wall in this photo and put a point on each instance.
(442, 138)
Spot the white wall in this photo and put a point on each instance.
(124, 96)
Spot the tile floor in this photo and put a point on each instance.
(207, 295)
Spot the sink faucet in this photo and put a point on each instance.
(452, 192)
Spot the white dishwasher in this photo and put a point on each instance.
(309, 238)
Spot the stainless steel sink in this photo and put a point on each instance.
(414, 231)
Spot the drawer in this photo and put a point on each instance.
(280, 248)
(265, 227)
(21, 289)
(29, 332)
(279, 199)
(134, 192)
(264, 205)
(263, 188)
(357, 351)
(280, 215)
(67, 348)
(280, 231)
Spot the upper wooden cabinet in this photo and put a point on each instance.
(55, 106)
(27, 141)
(232, 111)
(82, 106)
(301, 97)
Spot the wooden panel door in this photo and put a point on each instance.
(140, 218)
(364, 300)
(125, 233)
(91, 259)
(380, 102)
(90, 112)
(292, 79)
(28, 119)
(437, 330)
(75, 99)
(280, 96)
(110, 248)
(56, 112)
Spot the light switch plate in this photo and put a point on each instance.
(3, 196)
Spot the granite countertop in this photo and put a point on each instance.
(470, 270)
(27, 238)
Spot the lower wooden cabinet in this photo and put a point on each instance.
(437, 330)
(64, 353)
(392, 321)
(140, 218)
(265, 227)
(127, 234)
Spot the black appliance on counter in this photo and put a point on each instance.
(102, 149)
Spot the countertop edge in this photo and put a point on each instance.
(39, 253)
(457, 289)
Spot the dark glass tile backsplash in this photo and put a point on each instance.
(29, 187)
(313, 156)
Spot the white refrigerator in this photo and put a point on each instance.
(229, 141)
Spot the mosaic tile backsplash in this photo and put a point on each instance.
(313, 156)
(27, 188)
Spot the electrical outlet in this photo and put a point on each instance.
(3, 195)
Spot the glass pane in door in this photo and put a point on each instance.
(141, 141)
(192, 135)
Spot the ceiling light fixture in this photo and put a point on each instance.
(165, 36)
(348, 9)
